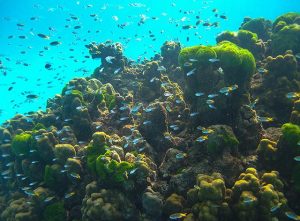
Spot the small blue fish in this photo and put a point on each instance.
(10, 164)
(33, 183)
(212, 95)
(177, 216)
(80, 108)
(75, 175)
(174, 127)
(123, 108)
(167, 94)
(164, 84)
(29, 192)
(210, 101)
(141, 149)
(187, 64)
(5, 155)
(26, 188)
(178, 101)
(69, 195)
(147, 122)
(124, 118)
(180, 156)
(292, 215)
(200, 128)
(49, 199)
(220, 70)
(68, 92)
(213, 60)
(199, 94)
(202, 138)
(297, 158)
(191, 72)
(161, 68)
(6, 172)
(64, 139)
(207, 131)
(248, 200)
(211, 106)
(275, 208)
(153, 79)
(252, 104)
(98, 127)
(265, 119)
(261, 70)
(133, 170)
(7, 177)
(149, 109)
(136, 140)
(193, 114)
(168, 108)
(292, 95)
(109, 59)
(117, 71)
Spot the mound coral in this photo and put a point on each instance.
(105, 204)
(259, 26)
(245, 39)
(21, 144)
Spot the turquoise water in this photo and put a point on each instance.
(23, 60)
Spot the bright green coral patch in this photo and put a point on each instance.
(196, 55)
(238, 63)
(111, 171)
(22, 143)
(97, 147)
(291, 134)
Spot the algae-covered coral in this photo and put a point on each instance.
(201, 133)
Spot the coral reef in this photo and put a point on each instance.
(286, 34)
(245, 39)
(259, 26)
(201, 133)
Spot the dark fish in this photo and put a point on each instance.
(43, 36)
(32, 96)
(55, 43)
(185, 27)
(48, 66)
